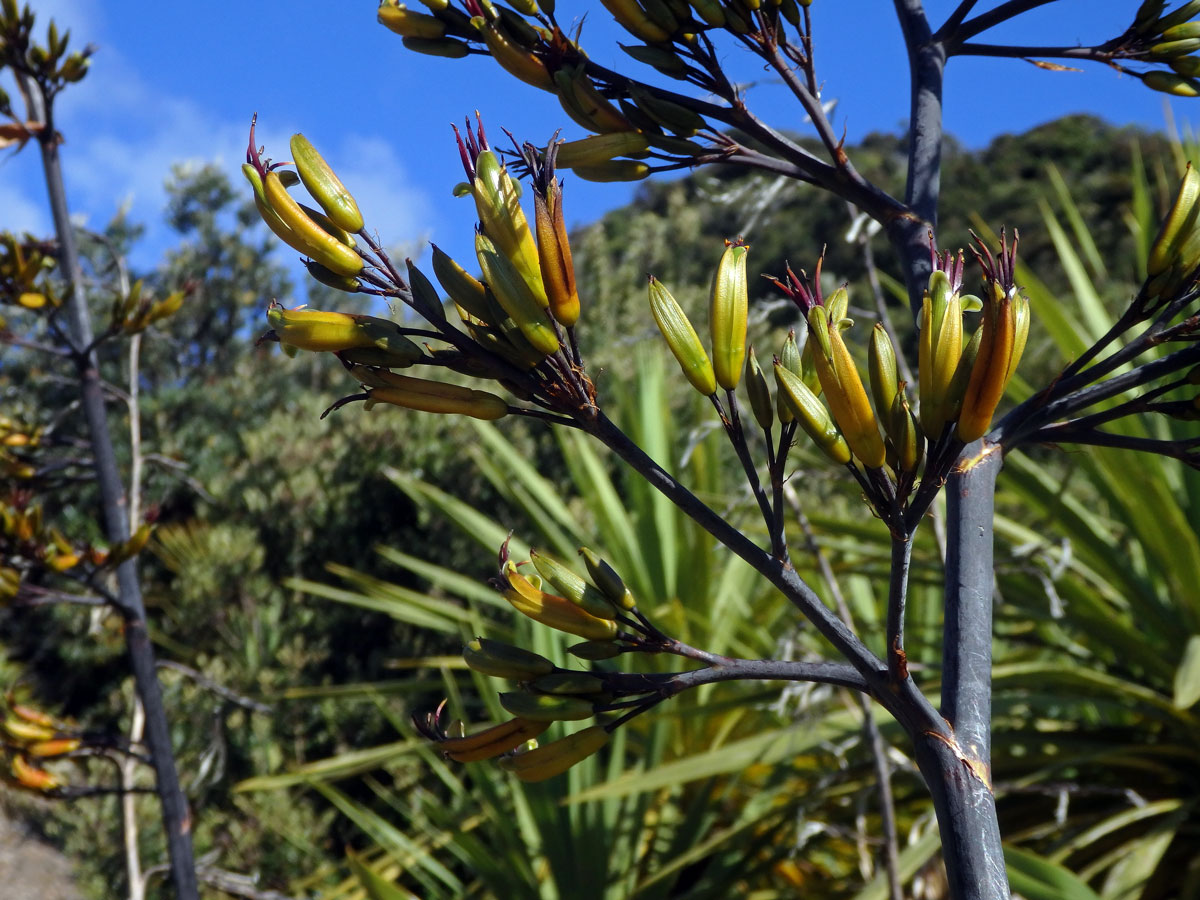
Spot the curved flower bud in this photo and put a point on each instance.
(398, 18)
(600, 148)
(908, 442)
(557, 756)
(326, 188)
(313, 239)
(502, 660)
(486, 744)
(437, 397)
(607, 581)
(881, 367)
(998, 354)
(728, 314)
(789, 358)
(940, 343)
(512, 291)
(682, 339)
(497, 203)
(571, 586)
(843, 387)
(552, 610)
(554, 247)
(464, 289)
(547, 707)
(760, 392)
(812, 415)
(322, 330)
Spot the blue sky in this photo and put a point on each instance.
(177, 82)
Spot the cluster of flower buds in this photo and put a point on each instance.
(25, 264)
(22, 267)
(17, 444)
(136, 312)
(630, 123)
(728, 315)
(819, 385)
(659, 23)
(598, 608)
(325, 236)
(512, 314)
(514, 744)
(29, 546)
(1170, 38)
(516, 306)
(49, 62)
(30, 737)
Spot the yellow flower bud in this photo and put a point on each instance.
(728, 313)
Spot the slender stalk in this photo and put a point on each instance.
(781, 575)
(1018, 52)
(127, 767)
(1064, 435)
(737, 437)
(671, 683)
(887, 802)
(135, 431)
(811, 102)
(897, 599)
(1035, 413)
(176, 816)
(961, 12)
(962, 796)
(993, 17)
(777, 470)
(1123, 324)
(793, 159)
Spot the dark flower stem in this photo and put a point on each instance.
(909, 234)
(897, 599)
(782, 576)
(1016, 52)
(737, 437)
(957, 780)
(177, 822)
(993, 17)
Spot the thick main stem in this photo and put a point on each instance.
(910, 234)
(176, 817)
(966, 815)
(957, 778)
(967, 636)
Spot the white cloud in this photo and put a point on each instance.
(124, 133)
(392, 206)
(77, 15)
(20, 212)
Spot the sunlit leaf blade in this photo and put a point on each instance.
(345, 765)
(376, 886)
(1036, 878)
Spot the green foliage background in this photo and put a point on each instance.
(266, 513)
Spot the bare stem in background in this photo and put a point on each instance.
(128, 771)
(887, 804)
(177, 823)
